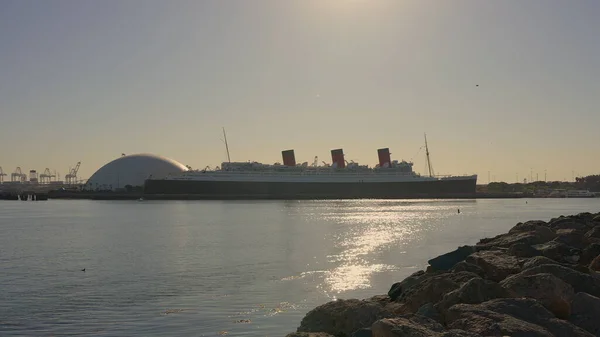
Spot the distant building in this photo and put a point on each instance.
(131, 171)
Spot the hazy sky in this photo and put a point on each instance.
(88, 80)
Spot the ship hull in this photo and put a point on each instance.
(244, 190)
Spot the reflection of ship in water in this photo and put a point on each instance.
(390, 179)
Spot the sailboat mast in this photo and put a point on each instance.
(226, 146)
(428, 160)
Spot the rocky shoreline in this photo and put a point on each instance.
(539, 279)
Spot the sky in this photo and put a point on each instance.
(503, 89)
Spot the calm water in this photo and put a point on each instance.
(215, 268)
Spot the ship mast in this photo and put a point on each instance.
(428, 160)
(226, 146)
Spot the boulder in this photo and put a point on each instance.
(431, 289)
(593, 235)
(552, 292)
(537, 261)
(309, 334)
(399, 287)
(365, 332)
(558, 251)
(538, 235)
(516, 317)
(476, 290)
(521, 249)
(465, 266)
(595, 264)
(528, 226)
(589, 253)
(449, 260)
(428, 310)
(569, 222)
(571, 237)
(343, 317)
(414, 326)
(496, 264)
(579, 281)
(585, 313)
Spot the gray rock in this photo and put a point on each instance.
(449, 260)
(399, 287)
(595, 264)
(432, 289)
(540, 234)
(593, 234)
(585, 313)
(413, 326)
(515, 317)
(570, 222)
(528, 226)
(366, 332)
(589, 253)
(496, 264)
(465, 266)
(428, 310)
(521, 249)
(572, 237)
(309, 334)
(558, 251)
(343, 317)
(552, 292)
(476, 290)
(537, 261)
(579, 281)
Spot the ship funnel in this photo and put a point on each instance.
(384, 157)
(337, 158)
(289, 159)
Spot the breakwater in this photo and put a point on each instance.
(539, 279)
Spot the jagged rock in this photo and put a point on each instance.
(515, 317)
(431, 289)
(465, 266)
(309, 334)
(413, 326)
(528, 226)
(593, 234)
(552, 292)
(343, 317)
(476, 290)
(496, 264)
(569, 222)
(572, 237)
(585, 313)
(449, 260)
(399, 287)
(539, 234)
(579, 281)
(596, 218)
(537, 261)
(521, 249)
(589, 253)
(559, 251)
(428, 310)
(595, 264)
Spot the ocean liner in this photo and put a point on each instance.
(390, 179)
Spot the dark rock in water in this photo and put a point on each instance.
(521, 249)
(432, 289)
(497, 265)
(589, 253)
(552, 292)
(399, 287)
(579, 281)
(309, 334)
(516, 317)
(585, 312)
(465, 266)
(343, 317)
(559, 251)
(448, 260)
(366, 332)
(474, 291)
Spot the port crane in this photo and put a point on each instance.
(71, 178)
(46, 177)
(18, 175)
(2, 175)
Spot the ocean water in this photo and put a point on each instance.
(212, 268)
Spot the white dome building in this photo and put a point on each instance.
(132, 170)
